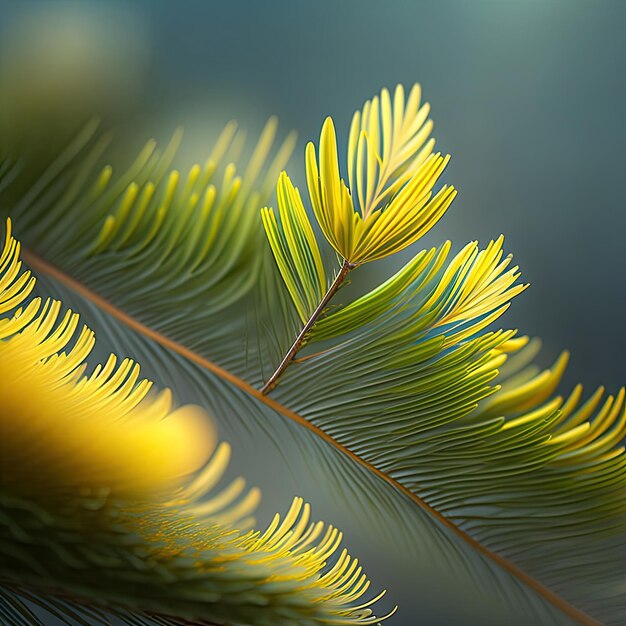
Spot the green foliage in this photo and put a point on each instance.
(425, 422)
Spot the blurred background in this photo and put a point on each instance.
(528, 96)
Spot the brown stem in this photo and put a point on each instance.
(297, 344)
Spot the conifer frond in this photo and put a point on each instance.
(155, 238)
(93, 474)
(391, 180)
(414, 350)
(48, 404)
(420, 420)
(476, 286)
(546, 488)
(387, 144)
(295, 248)
(533, 476)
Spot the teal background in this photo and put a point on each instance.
(529, 97)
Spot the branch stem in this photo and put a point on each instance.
(297, 344)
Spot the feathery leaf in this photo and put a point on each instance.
(399, 403)
(295, 248)
(92, 478)
(390, 172)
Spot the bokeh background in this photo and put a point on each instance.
(528, 96)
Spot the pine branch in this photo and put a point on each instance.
(297, 344)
